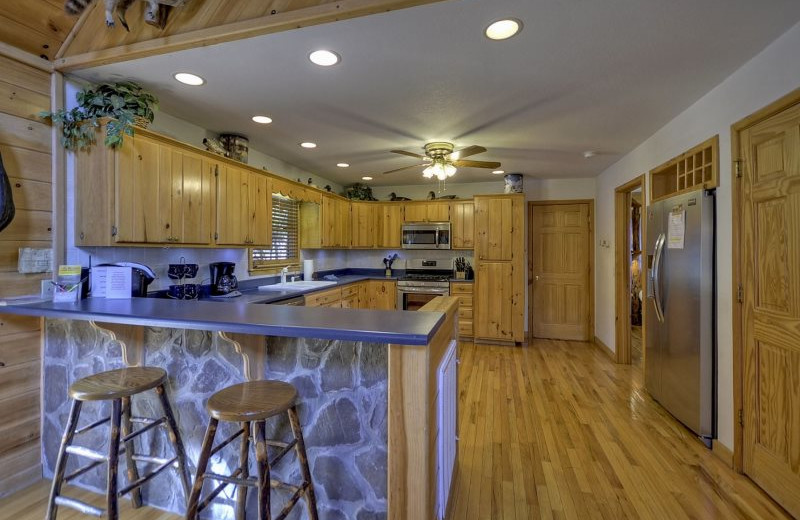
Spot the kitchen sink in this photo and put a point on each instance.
(296, 286)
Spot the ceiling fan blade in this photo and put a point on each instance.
(466, 152)
(476, 164)
(410, 154)
(405, 168)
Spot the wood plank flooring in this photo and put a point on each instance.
(557, 430)
(31, 504)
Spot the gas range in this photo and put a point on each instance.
(426, 273)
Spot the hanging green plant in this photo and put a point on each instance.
(117, 106)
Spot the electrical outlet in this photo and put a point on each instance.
(46, 291)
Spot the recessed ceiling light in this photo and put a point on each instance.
(264, 120)
(503, 29)
(366, 178)
(308, 145)
(342, 165)
(324, 58)
(189, 79)
(588, 154)
(498, 172)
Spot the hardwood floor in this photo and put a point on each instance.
(557, 430)
(31, 504)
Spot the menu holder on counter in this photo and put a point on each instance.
(111, 282)
(67, 288)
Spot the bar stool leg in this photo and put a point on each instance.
(300, 448)
(113, 460)
(244, 462)
(133, 471)
(61, 461)
(262, 462)
(175, 439)
(202, 463)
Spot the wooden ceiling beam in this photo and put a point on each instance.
(279, 22)
(15, 53)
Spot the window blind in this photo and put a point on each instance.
(284, 235)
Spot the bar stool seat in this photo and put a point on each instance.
(116, 384)
(250, 404)
(251, 401)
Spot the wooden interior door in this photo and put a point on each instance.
(560, 272)
(770, 151)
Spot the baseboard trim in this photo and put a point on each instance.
(604, 348)
(722, 452)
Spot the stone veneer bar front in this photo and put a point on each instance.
(365, 401)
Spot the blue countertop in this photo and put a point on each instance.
(398, 327)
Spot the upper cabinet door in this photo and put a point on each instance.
(494, 228)
(232, 195)
(142, 170)
(463, 225)
(259, 209)
(363, 224)
(390, 221)
(438, 212)
(191, 199)
(415, 212)
(427, 212)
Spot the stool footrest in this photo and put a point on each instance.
(286, 448)
(93, 425)
(250, 482)
(217, 490)
(147, 459)
(299, 491)
(143, 480)
(224, 443)
(87, 453)
(78, 472)
(149, 426)
(83, 507)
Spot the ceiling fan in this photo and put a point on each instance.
(441, 161)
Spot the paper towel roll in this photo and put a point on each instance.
(308, 269)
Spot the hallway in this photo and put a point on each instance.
(557, 430)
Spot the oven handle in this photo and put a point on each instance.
(430, 290)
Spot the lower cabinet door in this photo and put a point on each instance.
(493, 299)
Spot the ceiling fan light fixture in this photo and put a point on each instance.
(503, 29)
(324, 58)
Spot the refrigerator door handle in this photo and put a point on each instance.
(659, 249)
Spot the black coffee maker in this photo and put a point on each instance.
(223, 281)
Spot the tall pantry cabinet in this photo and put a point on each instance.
(499, 297)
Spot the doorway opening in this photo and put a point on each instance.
(630, 206)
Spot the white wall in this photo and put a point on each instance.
(771, 74)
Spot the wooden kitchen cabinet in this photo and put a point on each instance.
(382, 294)
(244, 207)
(146, 192)
(462, 217)
(494, 227)
(426, 211)
(326, 225)
(464, 292)
(364, 224)
(494, 291)
(390, 223)
(498, 297)
(326, 298)
(350, 295)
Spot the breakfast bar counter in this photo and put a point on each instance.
(366, 379)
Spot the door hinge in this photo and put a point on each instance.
(216, 236)
(216, 171)
(113, 231)
(737, 164)
(740, 294)
(741, 418)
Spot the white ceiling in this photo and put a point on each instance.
(582, 75)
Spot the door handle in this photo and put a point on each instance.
(656, 280)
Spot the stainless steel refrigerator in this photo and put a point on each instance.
(680, 356)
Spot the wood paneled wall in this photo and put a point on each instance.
(38, 27)
(25, 144)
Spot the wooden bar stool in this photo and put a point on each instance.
(252, 403)
(117, 386)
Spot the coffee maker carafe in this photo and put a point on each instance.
(223, 281)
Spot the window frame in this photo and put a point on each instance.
(274, 266)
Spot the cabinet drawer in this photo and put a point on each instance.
(324, 298)
(350, 290)
(350, 302)
(465, 328)
(460, 288)
(464, 301)
(465, 313)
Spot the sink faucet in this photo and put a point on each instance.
(284, 271)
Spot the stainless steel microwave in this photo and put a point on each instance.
(426, 235)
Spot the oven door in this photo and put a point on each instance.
(414, 298)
